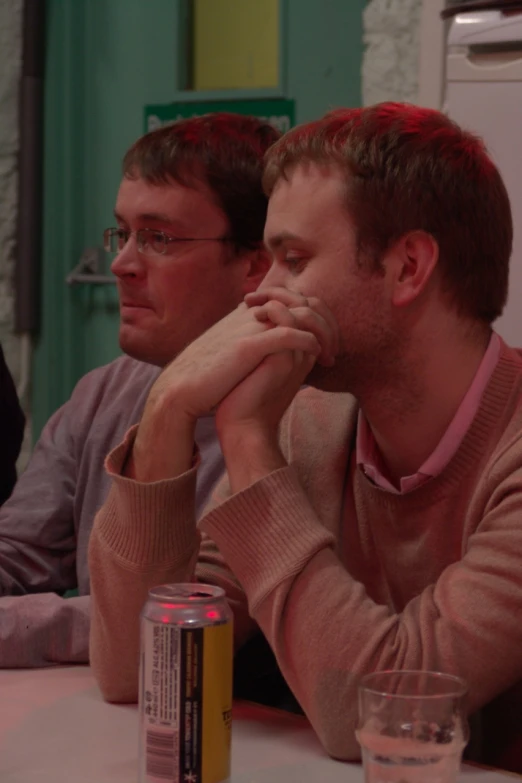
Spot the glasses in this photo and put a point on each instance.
(149, 240)
(412, 726)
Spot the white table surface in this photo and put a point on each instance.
(55, 728)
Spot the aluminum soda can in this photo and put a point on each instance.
(185, 700)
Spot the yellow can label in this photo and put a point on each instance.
(187, 703)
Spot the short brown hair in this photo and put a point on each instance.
(409, 168)
(225, 151)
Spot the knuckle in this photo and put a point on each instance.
(274, 306)
(306, 316)
(312, 342)
(287, 332)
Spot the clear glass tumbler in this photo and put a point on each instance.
(412, 726)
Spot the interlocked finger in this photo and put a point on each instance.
(277, 313)
(283, 295)
(304, 319)
(297, 301)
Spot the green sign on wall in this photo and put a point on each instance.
(279, 112)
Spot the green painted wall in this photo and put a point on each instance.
(323, 55)
(106, 59)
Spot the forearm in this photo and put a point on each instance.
(163, 447)
(43, 630)
(119, 591)
(251, 454)
(144, 535)
(327, 632)
(37, 534)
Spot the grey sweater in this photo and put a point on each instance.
(46, 524)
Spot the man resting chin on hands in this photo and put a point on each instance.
(247, 368)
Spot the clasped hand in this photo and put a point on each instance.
(272, 340)
(246, 368)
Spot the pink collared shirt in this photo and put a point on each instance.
(367, 452)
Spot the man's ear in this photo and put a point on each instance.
(410, 265)
(259, 262)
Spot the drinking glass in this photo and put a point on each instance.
(412, 726)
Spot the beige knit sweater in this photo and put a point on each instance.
(342, 577)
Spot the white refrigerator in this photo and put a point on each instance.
(484, 95)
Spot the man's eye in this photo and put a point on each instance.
(295, 262)
(122, 237)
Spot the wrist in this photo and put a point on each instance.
(250, 454)
(164, 444)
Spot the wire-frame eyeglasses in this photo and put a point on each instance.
(149, 240)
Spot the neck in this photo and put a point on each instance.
(409, 418)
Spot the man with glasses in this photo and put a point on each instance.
(189, 216)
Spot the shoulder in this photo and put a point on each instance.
(495, 437)
(503, 396)
(120, 376)
(109, 397)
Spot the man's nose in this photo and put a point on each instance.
(129, 260)
(275, 276)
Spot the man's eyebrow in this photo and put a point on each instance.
(277, 240)
(152, 217)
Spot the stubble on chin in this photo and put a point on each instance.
(356, 374)
(338, 378)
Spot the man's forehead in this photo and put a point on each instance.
(138, 188)
(172, 202)
(310, 171)
(274, 239)
(151, 217)
(306, 205)
(305, 187)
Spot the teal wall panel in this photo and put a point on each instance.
(106, 60)
(323, 55)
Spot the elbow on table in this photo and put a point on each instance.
(331, 708)
(342, 747)
(116, 692)
(116, 685)
(335, 728)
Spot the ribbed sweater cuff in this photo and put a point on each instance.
(147, 523)
(267, 533)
